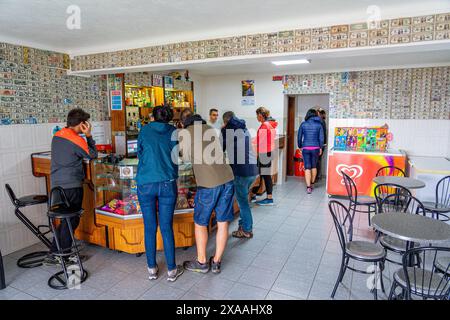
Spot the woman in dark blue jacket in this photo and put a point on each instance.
(310, 141)
(157, 185)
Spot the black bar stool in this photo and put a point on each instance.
(33, 259)
(73, 273)
(2, 274)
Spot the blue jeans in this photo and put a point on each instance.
(165, 195)
(218, 199)
(242, 186)
(310, 158)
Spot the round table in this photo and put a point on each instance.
(412, 227)
(408, 183)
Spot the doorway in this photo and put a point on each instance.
(297, 107)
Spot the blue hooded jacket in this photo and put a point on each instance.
(310, 133)
(239, 150)
(155, 146)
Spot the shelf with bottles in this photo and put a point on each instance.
(179, 99)
(143, 97)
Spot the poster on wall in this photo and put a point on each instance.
(116, 100)
(248, 92)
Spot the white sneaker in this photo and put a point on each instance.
(153, 273)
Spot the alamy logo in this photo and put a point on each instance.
(73, 21)
(353, 171)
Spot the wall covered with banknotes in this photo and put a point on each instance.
(35, 87)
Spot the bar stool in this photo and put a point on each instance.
(2, 274)
(33, 259)
(60, 211)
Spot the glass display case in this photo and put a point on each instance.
(116, 189)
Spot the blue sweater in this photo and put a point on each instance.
(310, 133)
(239, 150)
(154, 152)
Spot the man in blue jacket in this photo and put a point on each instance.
(236, 142)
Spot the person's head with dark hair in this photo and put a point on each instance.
(76, 118)
(227, 116)
(311, 113)
(184, 115)
(213, 115)
(163, 114)
(262, 114)
(322, 114)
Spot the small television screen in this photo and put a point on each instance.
(132, 148)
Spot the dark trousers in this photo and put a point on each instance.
(264, 162)
(75, 197)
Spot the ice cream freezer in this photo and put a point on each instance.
(429, 170)
(361, 166)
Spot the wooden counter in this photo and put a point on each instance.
(116, 233)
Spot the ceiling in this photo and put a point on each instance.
(108, 25)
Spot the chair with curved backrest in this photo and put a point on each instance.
(33, 259)
(356, 200)
(440, 209)
(363, 251)
(399, 202)
(384, 190)
(390, 171)
(423, 281)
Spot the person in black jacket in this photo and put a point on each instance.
(236, 142)
(69, 150)
(323, 116)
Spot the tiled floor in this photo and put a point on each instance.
(294, 254)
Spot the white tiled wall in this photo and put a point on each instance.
(17, 142)
(416, 137)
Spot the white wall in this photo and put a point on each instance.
(417, 137)
(17, 142)
(224, 92)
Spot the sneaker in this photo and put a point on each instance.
(153, 273)
(215, 266)
(240, 233)
(265, 202)
(51, 260)
(196, 266)
(173, 275)
(253, 199)
(309, 190)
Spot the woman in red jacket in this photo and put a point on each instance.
(265, 145)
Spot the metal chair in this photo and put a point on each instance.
(423, 282)
(441, 265)
(364, 251)
(384, 190)
(390, 171)
(399, 202)
(72, 274)
(2, 274)
(358, 201)
(441, 207)
(33, 259)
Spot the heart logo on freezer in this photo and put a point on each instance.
(353, 171)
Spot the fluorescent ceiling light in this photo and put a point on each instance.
(287, 62)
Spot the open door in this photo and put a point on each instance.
(290, 136)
